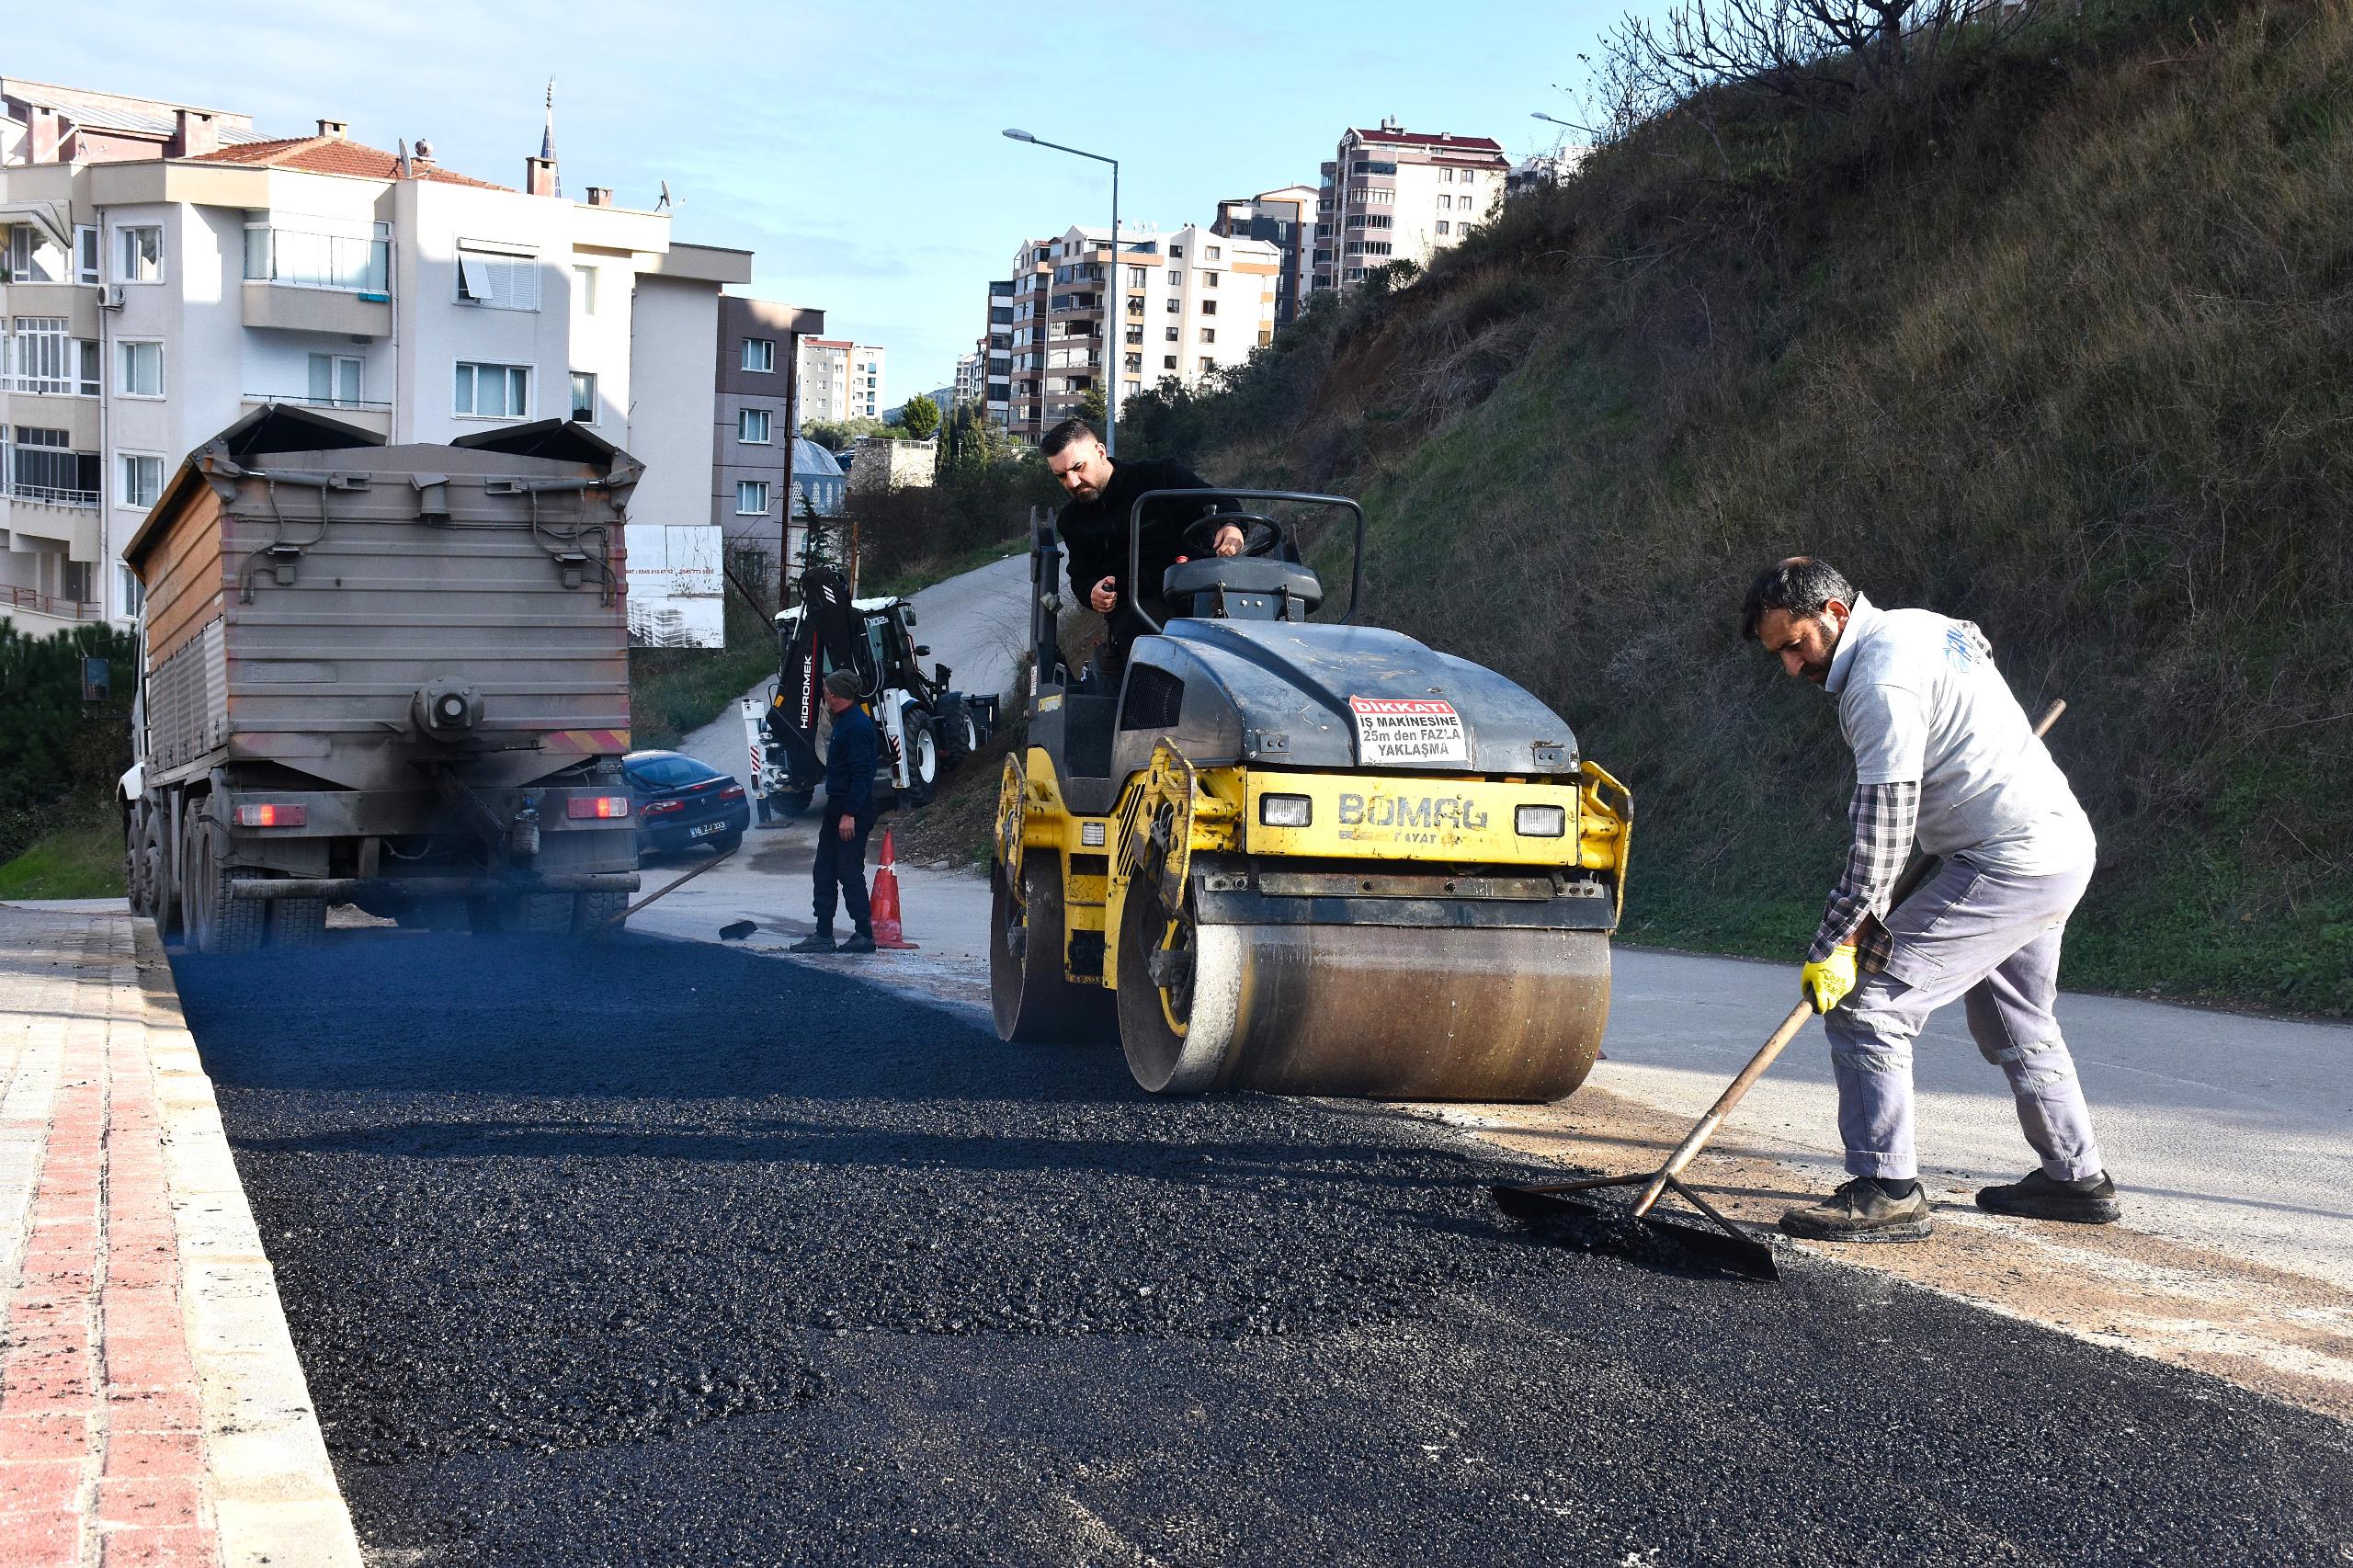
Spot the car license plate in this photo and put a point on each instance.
(705, 829)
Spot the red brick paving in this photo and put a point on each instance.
(101, 1455)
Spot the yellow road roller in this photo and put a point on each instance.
(1299, 856)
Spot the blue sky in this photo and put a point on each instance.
(855, 148)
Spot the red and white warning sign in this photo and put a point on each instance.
(1408, 729)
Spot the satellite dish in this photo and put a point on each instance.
(664, 204)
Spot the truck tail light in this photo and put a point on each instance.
(581, 806)
(272, 816)
(732, 793)
(662, 808)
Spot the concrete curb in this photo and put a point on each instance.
(273, 1488)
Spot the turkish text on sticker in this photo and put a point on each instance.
(1408, 729)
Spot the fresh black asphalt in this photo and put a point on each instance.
(662, 1252)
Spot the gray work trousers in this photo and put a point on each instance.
(1991, 940)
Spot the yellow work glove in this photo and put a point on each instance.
(1826, 981)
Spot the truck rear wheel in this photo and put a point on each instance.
(1033, 999)
(218, 921)
(591, 910)
(298, 921)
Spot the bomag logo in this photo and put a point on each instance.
(1409, 819)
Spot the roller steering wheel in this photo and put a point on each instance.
(1260, 536)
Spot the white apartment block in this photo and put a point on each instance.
(1286, 217)
(1395, 195)
(1174, 307)
(154, 290)
(967, 387)
(840, 379)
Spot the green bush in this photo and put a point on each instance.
(60, 754)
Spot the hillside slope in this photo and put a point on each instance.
(2072, 361)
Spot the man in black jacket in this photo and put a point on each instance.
(845, 821)
(1094, 529)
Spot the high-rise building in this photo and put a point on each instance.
(752, 438)
(995, 347)
(1286, 218)
(164, 269)
(966, 385)
(839, 380)
(1174, 306)
(1395, 195)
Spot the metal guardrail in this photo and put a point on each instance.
(303, 400)
(49, 496)
(50, 604)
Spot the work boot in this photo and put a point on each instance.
(1867, 1209)
(860, 942)
(817, 942)
(2088, 1200)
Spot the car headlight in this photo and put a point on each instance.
(1540, 821)
(1285, 811)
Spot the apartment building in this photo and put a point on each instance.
(754, 452)
(967, 384)
(1172, 306)
(158, 285)
(995, 348)
(1391, 194)
(840, 379)
(1285, 217)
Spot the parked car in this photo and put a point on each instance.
(680, 803)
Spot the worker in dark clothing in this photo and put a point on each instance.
(1094, 529)
(847, 818)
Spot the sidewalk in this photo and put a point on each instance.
(152, 1409)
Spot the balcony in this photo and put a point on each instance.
(25, 601)
(363, 414)
(297, 281)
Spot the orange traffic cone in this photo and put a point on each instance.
(888, 934)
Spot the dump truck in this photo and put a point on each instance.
(394, 676)
(1299, 856)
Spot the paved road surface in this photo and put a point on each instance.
(660, 1252)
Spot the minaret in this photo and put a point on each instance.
(547, 138)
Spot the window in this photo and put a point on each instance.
(752, 426)
(87, 373)
(1176, 275)
(1173, 334)
(139, 255)
(583, 293)
(74, 581)
(138, 371)
(1208, 279)
(1209, 307)
(1446, 177)
(334, 380)
(1134, 364)
(492, 392)
(1177, 253)
(1444, 227)
(759, 354)
(85, 254)
(1445, 203)
(751, 497)
(130, 592)
(1210, 253)
(1208, 334)
(583, 396)
(1208, 364)
(499, 280)
(31, 258)
(1168, 361)
(1175, 306)
(143, 480)
(1137, 277)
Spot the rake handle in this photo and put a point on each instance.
(1696, 1139)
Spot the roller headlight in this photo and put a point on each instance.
(1540, 821)
(1285, 811)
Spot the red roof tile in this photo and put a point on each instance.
(331, 155)
(1441, 141)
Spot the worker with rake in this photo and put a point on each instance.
(1943, 754)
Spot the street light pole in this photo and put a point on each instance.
(1110, 284)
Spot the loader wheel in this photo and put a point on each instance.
(959, 734)
(923, 755)
(1179, 996)
(1033, 999)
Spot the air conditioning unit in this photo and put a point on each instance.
(110, 297)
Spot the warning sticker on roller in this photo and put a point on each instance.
(1408, 729)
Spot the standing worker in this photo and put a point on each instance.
(1094, 529)
(1944, 753)
(839, 867)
